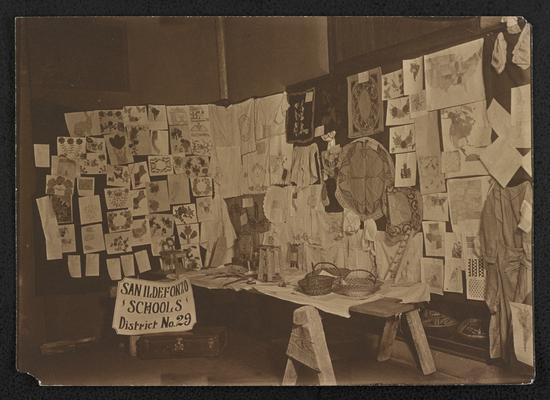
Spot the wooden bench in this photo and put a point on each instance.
(391, 310)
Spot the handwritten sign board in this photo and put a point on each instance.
(153, 307)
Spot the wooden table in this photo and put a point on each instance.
(391, 310)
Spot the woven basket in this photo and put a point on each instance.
(357, 283)
(314, 284)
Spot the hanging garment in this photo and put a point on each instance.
(218, 235)
(330, 105)
(277, 203)
(305, 165)
(280, 160)
(270, 115)
(256, 169)
(498, 59)
(506, 251)
(299, 117)
(307, 214)
(365, 170)
(221, 126)
(522, 50)
(226, 170)
(242, 122)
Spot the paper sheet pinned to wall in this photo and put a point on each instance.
(522, 327)
(501, 160)
(73, 263)
(41, 155)
(142, 259)
(92, 264)
(54, 249)
(127, 261)
(113, 267)
(500, 120)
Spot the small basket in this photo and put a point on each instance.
(314, 284)
(357, 283)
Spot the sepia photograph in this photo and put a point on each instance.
(274, 201)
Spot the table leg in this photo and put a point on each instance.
(388, 336)
(420, 342)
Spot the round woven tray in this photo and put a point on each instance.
(357, 283)
(314, 284)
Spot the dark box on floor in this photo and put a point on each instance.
(205, 341)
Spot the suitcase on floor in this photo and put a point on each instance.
(206, 341)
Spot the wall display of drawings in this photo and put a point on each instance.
(146, 178)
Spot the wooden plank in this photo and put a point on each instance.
(383, 308)
(420, 342)
(387, 338)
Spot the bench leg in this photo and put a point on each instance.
(291, 377)
(386, 340)
(420, 342)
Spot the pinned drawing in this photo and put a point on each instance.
(185, 214)
(111, 121)
(418, 105)
(135, 115)
(202, 186)
(454, 76)
(192, 256)
(435, 207)
(365, 110)
(522, 328)
(92, 238)
(188, 234)
(139, 202)
(159, 143)
(431, 179)
(178, 189)
(118, 175)
(117, 149)
(177, 115)
(73, 148)
(195, 166)
(119, 220)
(161, 225)
(63, 208)
(93, 164)
(402, 139)
(405, 169)
(413, 75)
(160, 165)
(84, 123)
(89, 208)
(157, 196)
(118, 242)
(392, 85)
(434, 238)
(180, 139)
(68, 241)
(432, 273)
(139, 175)
(453, 276)
(465, 126)
(399, 111)
(466, 199)
(117, 198)
(204, 209)
(139, 140)
(95, 145)
(59, 185)
(156, 114)
(141, 233)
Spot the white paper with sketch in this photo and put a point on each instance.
(413, 75)
(466, 199)
(142, 259)
(54, 248)
(522, 328)
(501, 160)
(455, 75)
